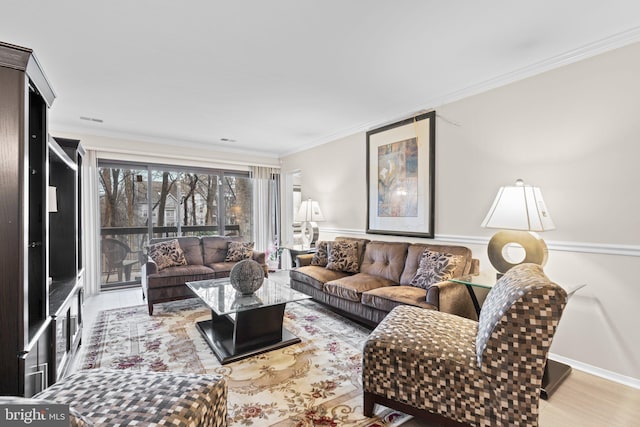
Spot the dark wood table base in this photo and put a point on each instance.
(252, 332)
(554, 374)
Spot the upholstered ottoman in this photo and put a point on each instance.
(109, 397)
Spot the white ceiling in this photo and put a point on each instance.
(277, 76)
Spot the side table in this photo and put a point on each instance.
(296, 250)
(554, 372)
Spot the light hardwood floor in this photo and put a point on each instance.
(583, 400)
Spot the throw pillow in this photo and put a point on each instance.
(321, 257)
(343, 256)
(237, 251)
(434, 267)
(167, 254)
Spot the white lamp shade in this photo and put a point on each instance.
(309, 211)
(519, 207)
(52, 199)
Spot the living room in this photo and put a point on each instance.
(562, 120)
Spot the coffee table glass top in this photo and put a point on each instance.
(484, 279)
(222, 298)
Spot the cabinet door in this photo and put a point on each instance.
(75, 325)
(61, 324)
(36, 367)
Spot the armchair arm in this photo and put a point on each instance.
(452, 298)
(302, 260)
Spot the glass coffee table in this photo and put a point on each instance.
(244, 325)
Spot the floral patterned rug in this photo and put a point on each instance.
(314, 383)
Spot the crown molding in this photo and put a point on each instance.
(162, 140)
(589, 50)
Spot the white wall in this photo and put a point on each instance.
(574, 132)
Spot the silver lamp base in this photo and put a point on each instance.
(309, 234)
(535, 249)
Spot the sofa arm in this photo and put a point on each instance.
(475, 266)
(151, 266)
(302, 260)
(259, 257)
(452, 298)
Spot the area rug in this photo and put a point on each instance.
(314, 383)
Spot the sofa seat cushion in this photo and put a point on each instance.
(221, 268)
(389, 297)
(173, 276)
(315, 276)
(352, 287)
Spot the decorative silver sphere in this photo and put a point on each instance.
(246, 276)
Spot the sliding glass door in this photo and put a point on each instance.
(138, 201)
(123, 219)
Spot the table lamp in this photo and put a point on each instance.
(309, 213)
(519, 211)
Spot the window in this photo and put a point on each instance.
(179, 201)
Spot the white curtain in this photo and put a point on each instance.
(266, 207)
(90, 223)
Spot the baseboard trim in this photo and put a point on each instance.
(598, 372)
(561, 246)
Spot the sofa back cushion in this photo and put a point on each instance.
(385, 259)
(189, 245)
(414, 254)
(215, 247)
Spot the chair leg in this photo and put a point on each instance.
(127, 272)
(368, 404)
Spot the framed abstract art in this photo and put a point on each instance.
(400, 177)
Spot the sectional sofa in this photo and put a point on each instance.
(383, 280)
(205, 259)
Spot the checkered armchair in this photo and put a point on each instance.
(99, 397)
(456, 371)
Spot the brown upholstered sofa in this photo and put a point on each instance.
(205, 260)
(382, 282)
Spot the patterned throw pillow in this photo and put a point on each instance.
(167, 254)
(434, 267)
(237, 251)
(321, 257)
(343, 256)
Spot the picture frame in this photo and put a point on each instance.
(401, 177)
